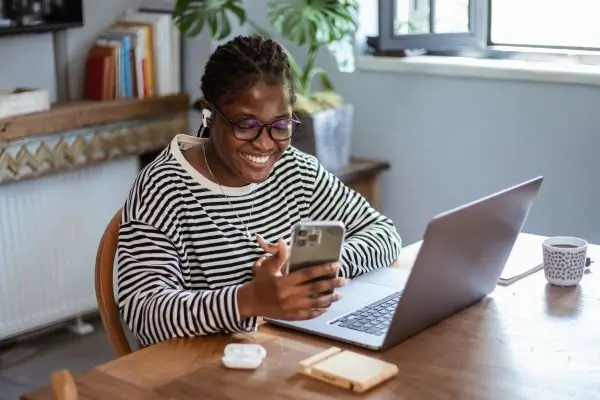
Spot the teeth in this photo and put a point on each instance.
(256, 159)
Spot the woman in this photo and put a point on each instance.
(192, 259)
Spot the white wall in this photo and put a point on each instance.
(449, 140)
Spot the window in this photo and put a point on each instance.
(440, 26)
(556, 23)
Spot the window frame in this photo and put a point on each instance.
(477, 42)
(476, 38)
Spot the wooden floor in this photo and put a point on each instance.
(27, 366)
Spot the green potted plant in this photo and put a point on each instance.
(311, 24)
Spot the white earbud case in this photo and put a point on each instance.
(243, 355)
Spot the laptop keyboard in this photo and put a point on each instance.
(373, 318)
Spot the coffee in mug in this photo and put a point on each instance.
(564, 260)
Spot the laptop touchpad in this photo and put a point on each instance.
(390, 277)
(358, 294)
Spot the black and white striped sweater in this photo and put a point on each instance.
(183, 253)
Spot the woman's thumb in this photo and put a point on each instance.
(267, 247)
(279, 257)
(282, 250)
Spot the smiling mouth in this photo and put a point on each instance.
(256, 160)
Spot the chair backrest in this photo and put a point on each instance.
(105, 260)
(63, 385)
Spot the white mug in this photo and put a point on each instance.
(564, 260)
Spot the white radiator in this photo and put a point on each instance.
(50, 229)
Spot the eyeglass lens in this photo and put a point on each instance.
(248, 128)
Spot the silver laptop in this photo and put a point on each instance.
(460, 261)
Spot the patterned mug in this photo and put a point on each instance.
(564, 260)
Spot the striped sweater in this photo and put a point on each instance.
(183, 252)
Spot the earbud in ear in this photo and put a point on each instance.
(206, 114)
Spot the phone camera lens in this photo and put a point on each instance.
(313, 238)
(302, 232)
(301, 243)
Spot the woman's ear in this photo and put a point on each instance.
(206, 110)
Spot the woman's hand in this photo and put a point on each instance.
(291, 296)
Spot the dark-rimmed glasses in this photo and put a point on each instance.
(249, 129)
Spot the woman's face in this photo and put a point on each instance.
(245, 162)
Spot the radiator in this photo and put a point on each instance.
(50, 228)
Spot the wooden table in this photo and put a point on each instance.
(529, 340)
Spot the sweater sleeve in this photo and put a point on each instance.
(371, 238)
(151, 294)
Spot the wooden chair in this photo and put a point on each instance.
(63, 385)
(105, 259)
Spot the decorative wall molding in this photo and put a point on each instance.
(41, 155)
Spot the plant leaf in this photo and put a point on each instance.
(225, 26)
(191, 16)
(212, 24)
(323, 21)
(239, 11)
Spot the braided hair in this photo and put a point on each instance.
(239, 64)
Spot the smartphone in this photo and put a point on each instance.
(316, 243)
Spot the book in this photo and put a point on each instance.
(148, 63)
(124, 66)
(164, 49)
(526, 258)
(138, 56)
(100, 70)
(119, 76)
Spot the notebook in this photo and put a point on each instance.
(526, 258)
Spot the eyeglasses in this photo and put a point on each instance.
(249, 129)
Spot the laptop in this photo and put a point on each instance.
(461, 258)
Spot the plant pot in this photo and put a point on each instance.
(327, 135)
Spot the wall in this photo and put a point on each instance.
(33, 67)
(451, 140)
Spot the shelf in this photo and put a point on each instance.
(72, 115)
(34, 29)
(56, 16)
